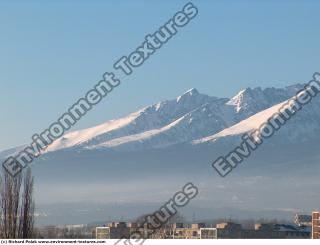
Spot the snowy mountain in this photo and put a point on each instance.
(152, 119)
(144, 156)
(304, 126)
(189, 117)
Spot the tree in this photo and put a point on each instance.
(17, 205)
(27, 207)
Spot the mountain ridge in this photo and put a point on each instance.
(191, 118)
(153, 149)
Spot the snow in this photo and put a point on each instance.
(188, 93)
(236, 100)
(137, 137)
(245, 126)
(192, 117)
(143, 124)
(77, 137)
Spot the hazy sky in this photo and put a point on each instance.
(52, 52)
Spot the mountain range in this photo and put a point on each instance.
(158, 148)
(192, 117)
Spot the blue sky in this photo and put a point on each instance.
(52, 52)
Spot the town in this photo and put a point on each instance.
(303, 226)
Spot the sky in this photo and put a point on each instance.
(53, 52)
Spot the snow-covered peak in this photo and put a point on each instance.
(192, 91)
(152, 117)
(247, 99)
(237, 100)
(248, 125)
(191, 94)
(188, 117)
(252, 100)
(296, 129)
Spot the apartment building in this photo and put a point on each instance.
(315, 225)
(102, 233)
